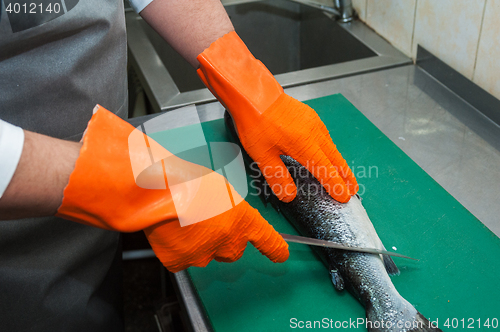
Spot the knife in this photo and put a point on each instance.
(331, 244)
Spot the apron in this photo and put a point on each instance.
(57, 275)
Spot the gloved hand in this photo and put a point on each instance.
(271, 123)
(110, 188)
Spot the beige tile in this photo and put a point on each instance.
(487, 72)
(450, 30)
(360, 8)
(393, 19)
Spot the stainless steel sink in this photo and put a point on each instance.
(298, 44)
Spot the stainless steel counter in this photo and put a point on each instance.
(448, 138)
(454, 143)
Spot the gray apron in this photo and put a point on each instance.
(57, 275)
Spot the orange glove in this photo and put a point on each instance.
(271, 123)
(107, 189)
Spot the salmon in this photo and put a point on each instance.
(314, 213)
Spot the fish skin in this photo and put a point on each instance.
(314, 213)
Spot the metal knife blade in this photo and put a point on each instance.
(331, 244)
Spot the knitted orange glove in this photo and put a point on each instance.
(271, 123)
(106, 190)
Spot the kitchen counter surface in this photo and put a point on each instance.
(449, 139)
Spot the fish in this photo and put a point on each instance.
(314, 213)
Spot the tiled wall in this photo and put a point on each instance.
(463, 33)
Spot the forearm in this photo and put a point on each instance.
(189, 26)
(37, 186)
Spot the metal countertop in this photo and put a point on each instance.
(446, 136)
(449, 139)
(456, 145)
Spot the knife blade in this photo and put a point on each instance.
(335, 245)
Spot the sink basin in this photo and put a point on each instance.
(298, 44)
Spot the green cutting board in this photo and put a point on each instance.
(455, 282)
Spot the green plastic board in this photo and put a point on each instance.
(455, 282)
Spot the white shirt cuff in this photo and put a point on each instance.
(139, 5)
(11, 147)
